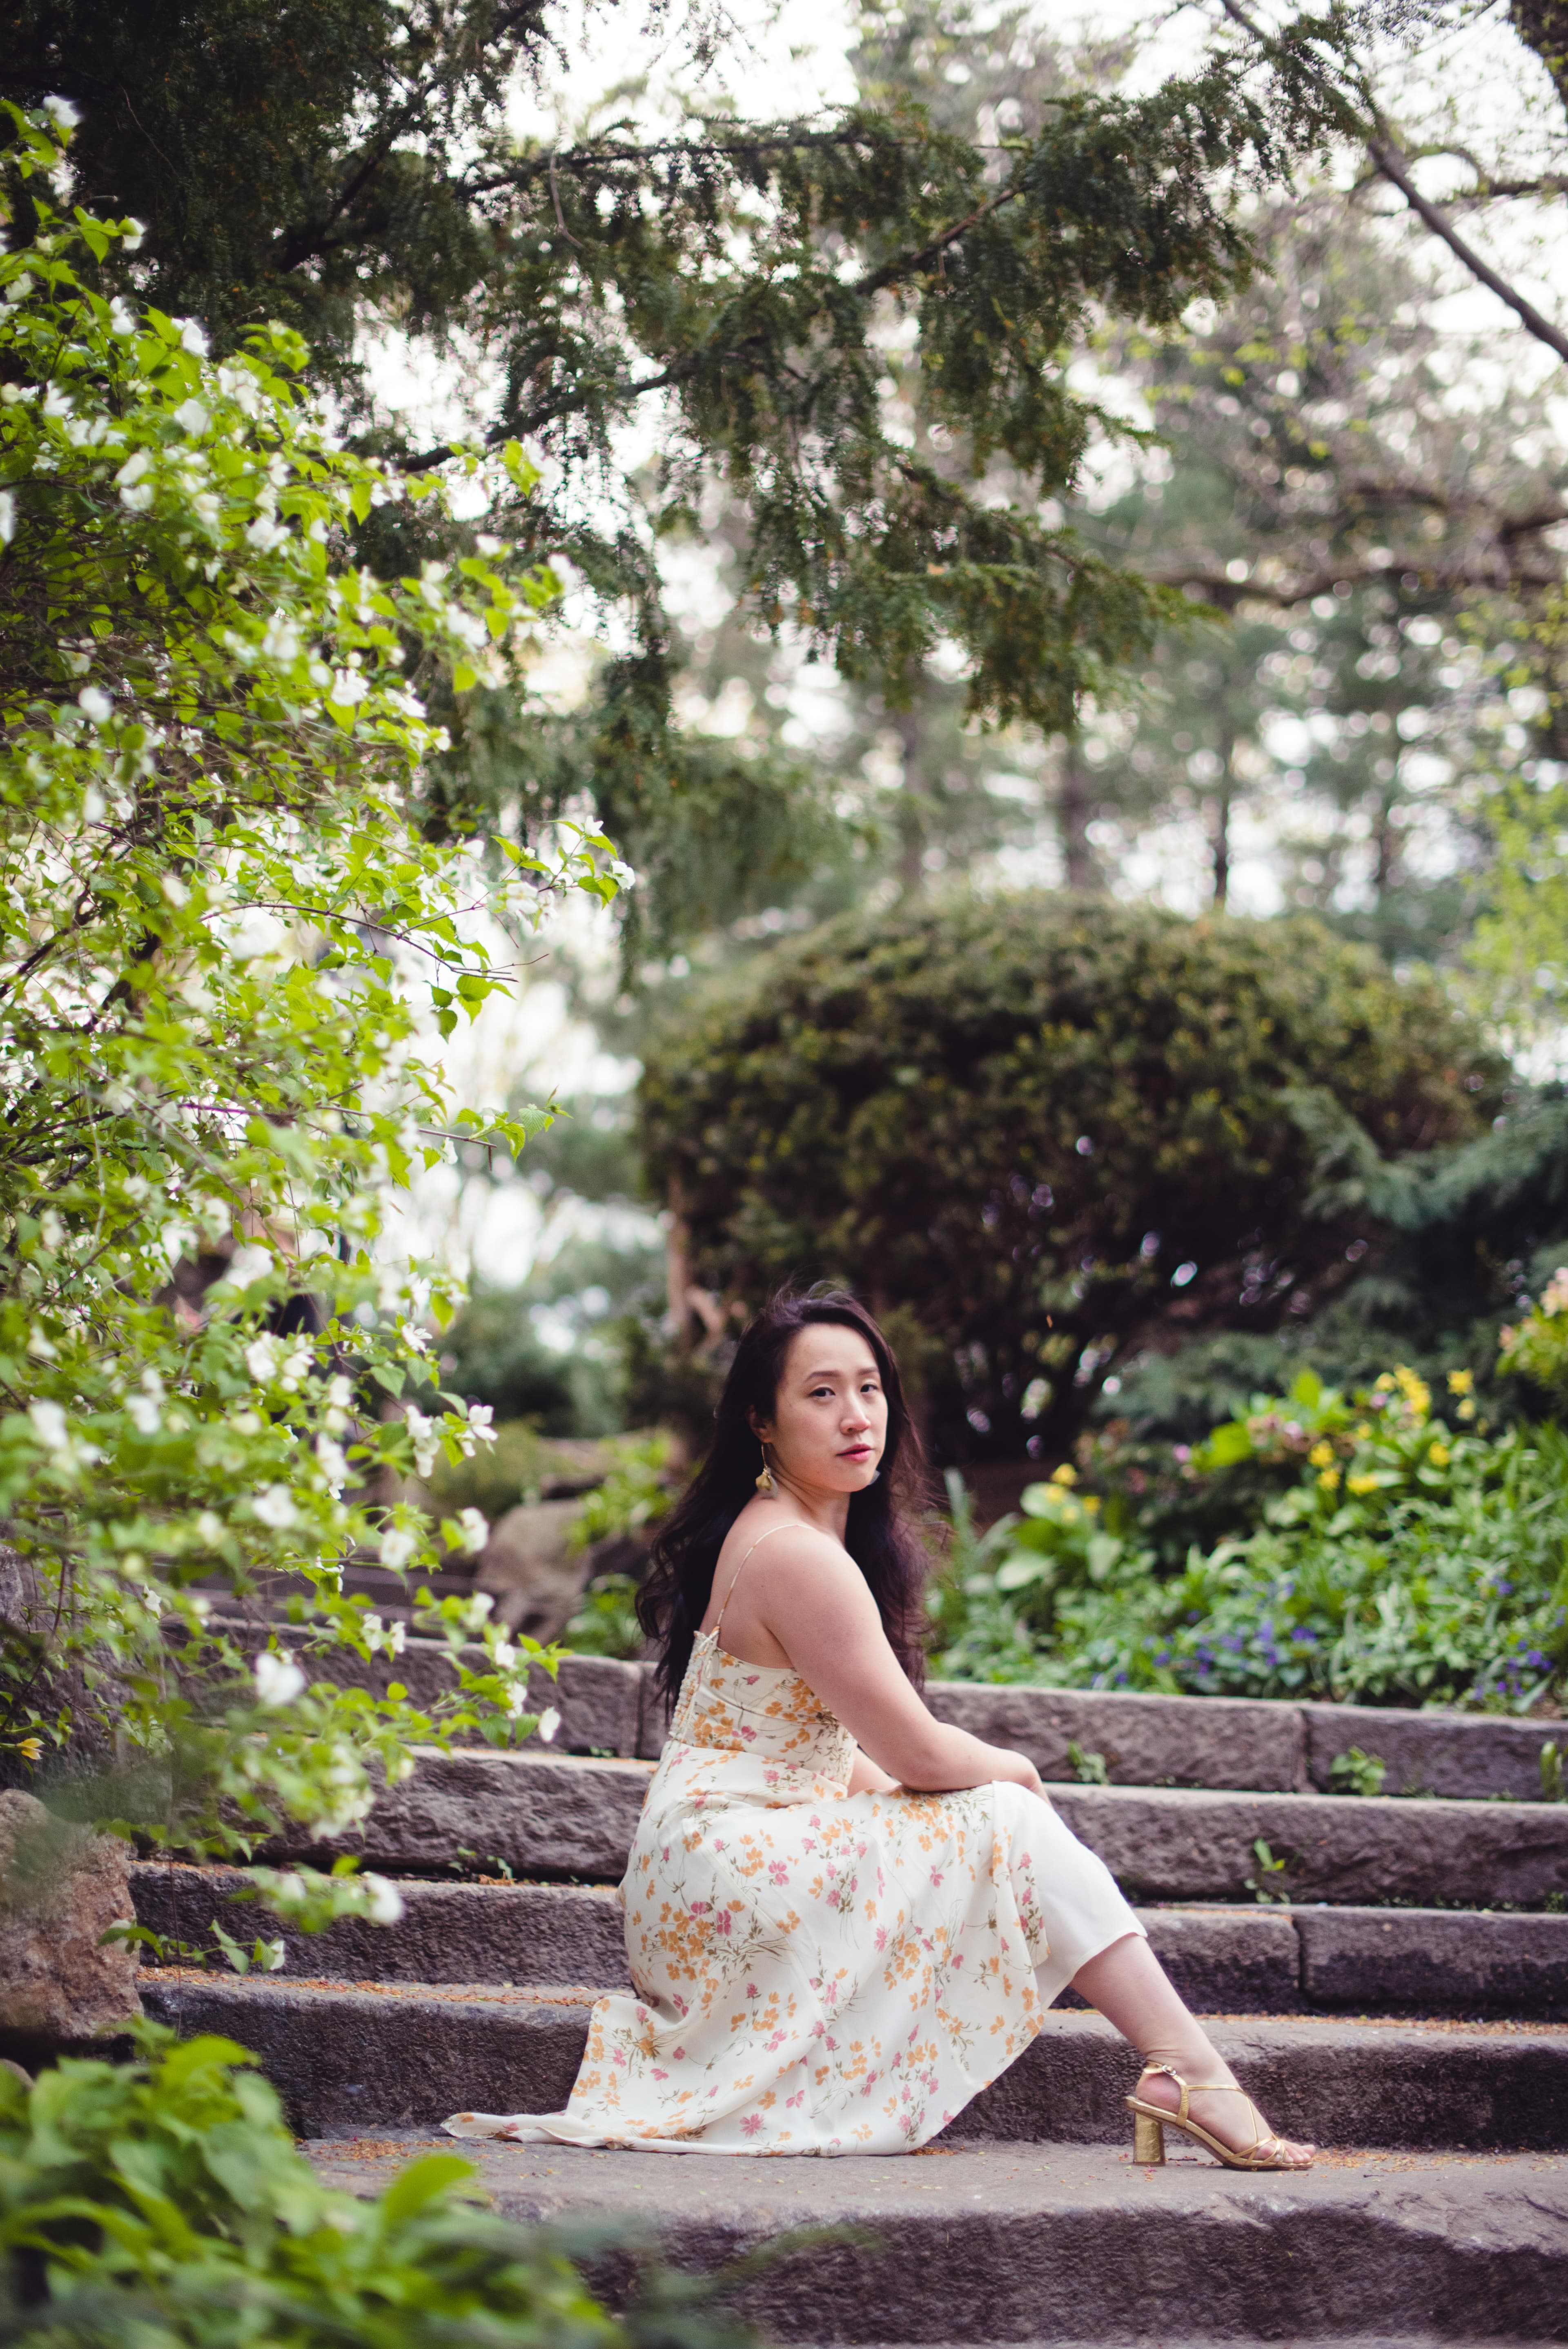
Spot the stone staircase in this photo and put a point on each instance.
(1401, 1996)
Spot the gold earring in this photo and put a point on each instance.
(765, 1481)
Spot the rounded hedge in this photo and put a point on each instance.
(1041, 1132)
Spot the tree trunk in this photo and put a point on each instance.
(1074, 807)
(911, 829)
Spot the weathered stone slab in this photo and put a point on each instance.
(344, 2059)
(473, 1811)
(1183, 1844)
(555, 1935)
(1466, 1756)
(1145, 1741)
(600, 1699)
(1240, 1961)
(348, 2058)
(1434, 1962)
(1029, 2244)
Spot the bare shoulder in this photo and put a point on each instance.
(790, 1548)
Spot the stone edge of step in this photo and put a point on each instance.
(1260, 1960)
(1244, 1744)
(347, 2057)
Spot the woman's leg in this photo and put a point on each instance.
(1129, 1986)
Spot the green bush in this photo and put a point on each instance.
(1051, 1129)
(162, 2204)
(1400, 1561)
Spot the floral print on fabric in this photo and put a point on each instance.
(816, 1972)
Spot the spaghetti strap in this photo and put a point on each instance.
(781, 1527)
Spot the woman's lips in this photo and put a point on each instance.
(857, 1452)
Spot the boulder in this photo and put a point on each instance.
(61, 1888)
(530, 1569)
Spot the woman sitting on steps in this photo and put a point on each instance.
(843, 1918)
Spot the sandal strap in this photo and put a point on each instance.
(1215, 2088)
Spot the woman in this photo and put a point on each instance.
(843, 1918)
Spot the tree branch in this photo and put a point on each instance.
(1392, 164)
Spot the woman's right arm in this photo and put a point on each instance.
(814, 1601)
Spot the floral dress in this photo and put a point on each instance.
(818, 1971)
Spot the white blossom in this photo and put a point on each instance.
(476, 1530)
(397, 1547)
(143, 1411)
(49, 1425)
(385, 1906)
(397, 1633)
(347, 688)
(263, 534)
(479, 1429)
(622, 875)
(7, 516)
(94, 704)
(279, 1679)
(274, 1505)
(370, 1631)
(134, 232)
(248, 1264)
(62, 113)
(280, 642)
(262, 1359)
(549, 1723)
(477, 1609)
(192, 338)
(422, 1433)
(332, 1463)
(274, 1954)
(51, 1230)
(192, 418)
(121, 317)
(211, 1528)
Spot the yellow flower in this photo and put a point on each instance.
(31, 1747)
(1322, 1453)
(1065, 1474)
(1362, 1432)
(1438, 1455)
(1383, 1385)
(1361, 1483)
(1416, 1391)
(1329, 1480)
(1464, 1411)
(1091, 1502)
(1460, 1382)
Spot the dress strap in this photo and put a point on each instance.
(718, 1620)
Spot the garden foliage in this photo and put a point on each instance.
(1380, 1556)
(163, 2204)
(227, 944)
(1042, 1130)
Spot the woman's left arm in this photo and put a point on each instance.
(865, 1778)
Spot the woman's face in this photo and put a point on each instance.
(829, 1416)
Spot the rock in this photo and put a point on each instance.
(61, 1888)
(529, 1570)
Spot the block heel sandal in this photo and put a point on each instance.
(1150, 2123)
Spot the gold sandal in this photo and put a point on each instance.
(1150, 2123)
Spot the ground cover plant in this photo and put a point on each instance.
(163, 2203)
(1381, 1553)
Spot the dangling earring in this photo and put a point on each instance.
(765, 1481)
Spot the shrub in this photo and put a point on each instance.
(1049, 1129)
(1401, 1561)
(163, 2203)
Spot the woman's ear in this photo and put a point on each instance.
(759, 1428)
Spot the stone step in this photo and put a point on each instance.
(1249, 1746)
(1256, 1961)
(1023, 2244)
(349, 2057)
(535, 1814)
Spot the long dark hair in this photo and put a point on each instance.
(674, 1598)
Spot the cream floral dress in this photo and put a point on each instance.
(818, 1971)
